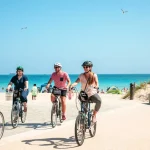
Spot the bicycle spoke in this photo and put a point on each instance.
(54, 115)
(79, 130)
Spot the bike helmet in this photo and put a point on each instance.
(19, 68)
(88, 63)
(57, 64)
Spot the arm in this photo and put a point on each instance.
(26, 85)
(96, 81)
(49, 82)
(75, 83)
(9, 85)
(68, 82)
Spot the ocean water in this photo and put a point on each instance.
(105, 80)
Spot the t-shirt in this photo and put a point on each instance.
(90, 90)
(34, 90)
(19, 83)
(60, 79)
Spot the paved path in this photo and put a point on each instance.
(125, 127)
(39, 112)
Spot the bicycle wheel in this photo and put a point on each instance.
(92, 129)
(54, 113)
(15, 115)
(60, 112)
(23, 114)
(2, 125)
(80, 130)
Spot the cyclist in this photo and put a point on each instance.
(89, 80)
(60, 79)
(20, 81)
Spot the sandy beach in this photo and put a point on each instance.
(121, 126)
(39, 111)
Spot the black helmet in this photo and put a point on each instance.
(19, 68)
(88, 63)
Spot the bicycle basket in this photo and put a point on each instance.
(82, 96)
(56, 92)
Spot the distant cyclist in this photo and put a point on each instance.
(89, 80)
(61, 81)
(20, 81)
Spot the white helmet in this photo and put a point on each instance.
(58, 64)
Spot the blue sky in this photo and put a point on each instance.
(72, 31)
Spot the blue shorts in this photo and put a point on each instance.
(23, 97)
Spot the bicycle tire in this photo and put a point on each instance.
(80, 120)
(2, 124)
(15, 109)
(23, 115)
(54, 111)
(93, 125)
(60, 112)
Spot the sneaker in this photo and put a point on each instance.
(63, 117)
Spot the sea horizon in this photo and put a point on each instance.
(105, 80)
(81, 72)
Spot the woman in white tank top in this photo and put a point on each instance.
(89, 83)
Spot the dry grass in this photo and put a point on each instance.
(126, 95)
(137, 87)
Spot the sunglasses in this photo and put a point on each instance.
(56, 67)
(86, 67)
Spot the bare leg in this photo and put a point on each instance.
(25, 106)
(52, 98)
(94, 116)
(63, 101)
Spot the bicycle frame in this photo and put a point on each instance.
(87, 106)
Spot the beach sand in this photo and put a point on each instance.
(121, 126)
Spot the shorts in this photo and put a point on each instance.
(23, 96)
(34, 95)
(63, 92)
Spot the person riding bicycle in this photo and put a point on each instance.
(60, 79)
(89, 83)
(20, 81)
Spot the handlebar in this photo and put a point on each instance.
(10, 90)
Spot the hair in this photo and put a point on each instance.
(92, 78)
(34, 84)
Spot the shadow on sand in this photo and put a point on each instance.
(146, 103)
(57, 143)
(36, 126)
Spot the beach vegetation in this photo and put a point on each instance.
(148, 82)
(126, 95)
(137, 87)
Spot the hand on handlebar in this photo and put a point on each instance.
(25, 89)
(9, 90)
(47, 87)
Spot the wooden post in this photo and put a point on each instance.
(131, 91)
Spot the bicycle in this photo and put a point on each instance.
(17, 110)
(56, 111)
(2, 124)
(84, 122)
